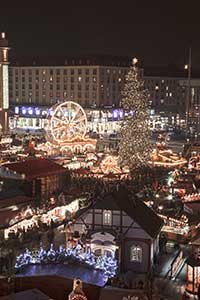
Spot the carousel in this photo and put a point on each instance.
(109, 168)
(66, 131)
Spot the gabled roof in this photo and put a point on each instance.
(134, 208)
(107, 202)
(139, 211)
(35, 167)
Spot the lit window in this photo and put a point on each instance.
(107, 217)
(79, 78)
(119, 79)
(167, 88)
(136, 253)
(170, 94)
(156, 87)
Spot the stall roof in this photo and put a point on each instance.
(33, 294)
(70, 271)
(35, 167)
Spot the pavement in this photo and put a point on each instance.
(164, 286)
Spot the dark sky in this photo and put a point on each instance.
(158, 32)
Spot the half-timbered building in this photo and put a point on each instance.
(123, 226)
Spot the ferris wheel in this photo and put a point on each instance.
(67, 121)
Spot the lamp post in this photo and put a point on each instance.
(188, 101)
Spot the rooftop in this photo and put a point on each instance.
(90, 60)
(35, 167)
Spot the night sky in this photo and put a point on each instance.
(157, 32)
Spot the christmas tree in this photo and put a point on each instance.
(134, 146)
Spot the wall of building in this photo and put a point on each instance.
(91, 85)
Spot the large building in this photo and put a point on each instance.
(92, 82)
(96, 83)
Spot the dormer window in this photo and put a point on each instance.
(107, 217)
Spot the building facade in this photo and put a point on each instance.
(90, 82)
(121, 226)
(96, 84)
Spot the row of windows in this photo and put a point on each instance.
(71, 71)
(51, 78)
(58, 94)
(58, 87)
(54, 71)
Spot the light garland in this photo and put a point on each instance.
(78, 297)
(74, 254)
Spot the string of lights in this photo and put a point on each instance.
(77, 254)
(134, 146)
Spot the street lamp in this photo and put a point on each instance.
(135, 61)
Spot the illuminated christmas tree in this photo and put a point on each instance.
(134, 146)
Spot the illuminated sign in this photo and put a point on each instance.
(5, 87)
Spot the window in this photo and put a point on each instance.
(107, 217)
(136, 253)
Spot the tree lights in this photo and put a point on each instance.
(71, 254)
(134, 147)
